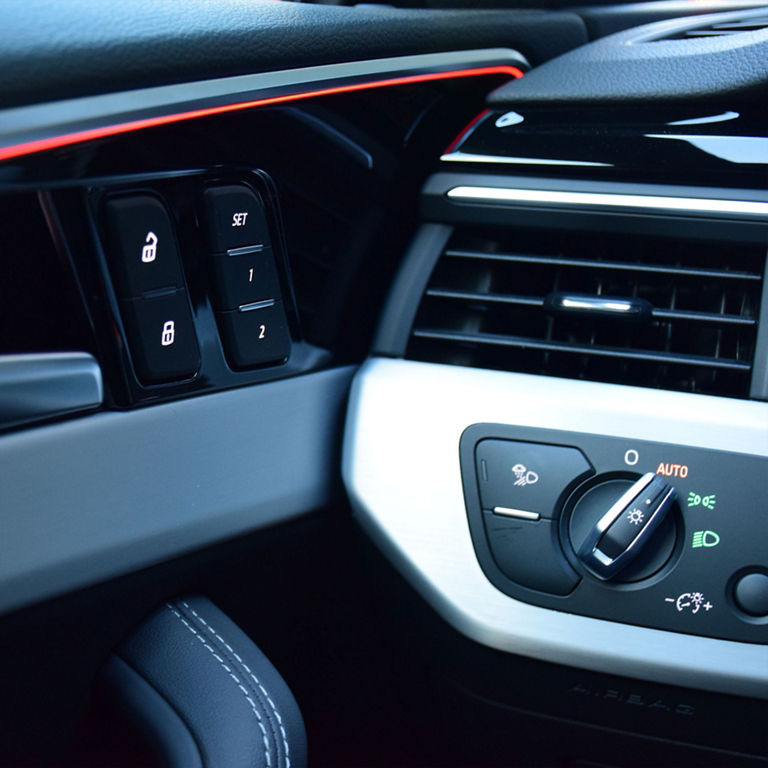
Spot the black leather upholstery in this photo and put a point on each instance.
(639, 66)
(204, 693)
(53, 49)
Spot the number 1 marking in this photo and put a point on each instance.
(250, 275)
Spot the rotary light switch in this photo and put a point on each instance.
(622, 533)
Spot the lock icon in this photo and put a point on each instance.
(169, 333)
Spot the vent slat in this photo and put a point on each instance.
(520, 342)
(711, 318)
(518, 301)
(492, 302)
(617, 265)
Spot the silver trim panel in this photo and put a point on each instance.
(92, 498)
(612, 200)
(401, 470)
(39, 386)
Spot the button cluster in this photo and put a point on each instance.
(147, 272)
(144, 260)
(644, 533)
(250, 312)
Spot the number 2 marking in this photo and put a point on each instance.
(262, 331)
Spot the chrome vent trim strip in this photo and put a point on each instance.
(610, 200)
(468, 157)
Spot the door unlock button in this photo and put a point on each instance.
(141, 246)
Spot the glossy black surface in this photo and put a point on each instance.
(676, 145)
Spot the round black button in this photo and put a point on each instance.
(751, 594)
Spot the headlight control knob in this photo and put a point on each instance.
(622, 533)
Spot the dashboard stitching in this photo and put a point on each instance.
(229, 671)
(253, 677)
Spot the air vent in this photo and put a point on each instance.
(721, 29)
(663, 313)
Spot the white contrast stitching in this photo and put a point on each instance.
(218, 658)
(253, 677)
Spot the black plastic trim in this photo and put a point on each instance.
(408, 288)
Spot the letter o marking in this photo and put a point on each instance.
(631, 457)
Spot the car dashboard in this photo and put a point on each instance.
(430, 344)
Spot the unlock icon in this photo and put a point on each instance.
(149, 251)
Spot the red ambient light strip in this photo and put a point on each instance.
(54, 142)
(464, 131)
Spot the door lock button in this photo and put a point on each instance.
(161, 334)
